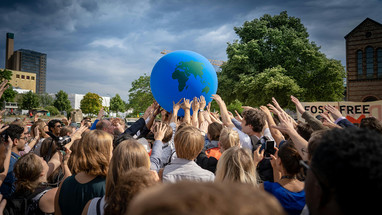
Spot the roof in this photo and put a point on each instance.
(364, 21)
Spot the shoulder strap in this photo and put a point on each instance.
(99, 206)
(160, 174)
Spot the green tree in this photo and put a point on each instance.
(117, 104)
(62, 102)
(91, 104)
(46, 100)
(9, 94)
(270, 42)
(140, 96)
(29, 101)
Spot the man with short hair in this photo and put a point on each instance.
(55, 127)
(105, 125)
(19, 137)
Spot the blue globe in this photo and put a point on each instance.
(182, 74)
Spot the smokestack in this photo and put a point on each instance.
(9, 49)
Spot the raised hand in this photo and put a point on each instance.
(238, 116)
(286, 123)
(159, 131)
(202, 103)
(195, 105)
(334, 111)
(274, 101)
(186, 104)
(298, 104)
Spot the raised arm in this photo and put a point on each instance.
(276, 134)
(223, 111)
(186, 106)
(195, 111)
(286, 125)
(175, 109)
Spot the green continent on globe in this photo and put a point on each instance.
(184, 70)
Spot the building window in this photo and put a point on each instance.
(17, 76)
(22, 76)
(379, 61)
(359, 63)
(32, 78)
(369, 62)
(28, 77)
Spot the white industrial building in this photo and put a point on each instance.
(75, 100)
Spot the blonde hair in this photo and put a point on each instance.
(229, 138)
(189, 142)
(40, 126)
(127, 155)
(236, 165)
(94, 152)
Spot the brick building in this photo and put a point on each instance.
(364, 62)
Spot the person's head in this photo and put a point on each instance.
(203, 198)
(115, 123)
(130, 184)
(213, 131)
(41, 125)
(127, 155)
(189, 142)
(66, 131)
(48, 148)
(253, 121)
(30, 170)
(18, 135)
(345, 174)
(54, 126)
(105, 125)
(289, 159)
(371, 123)
(228, 138)
(313, 142)
(168, 133)
(236, 165)
(94, 153)
(304, 130)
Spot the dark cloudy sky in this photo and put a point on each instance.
(101, 46)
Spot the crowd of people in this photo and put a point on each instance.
(261, 161)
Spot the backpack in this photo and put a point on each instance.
(18, 205)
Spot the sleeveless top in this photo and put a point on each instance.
(74, 195)
(92, 210)
(292, 202)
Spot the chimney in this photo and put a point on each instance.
(9, 51)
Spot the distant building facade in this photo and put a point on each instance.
(24, 80)
(364, 62)
(26, 61)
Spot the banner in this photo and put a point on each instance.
(353, 111)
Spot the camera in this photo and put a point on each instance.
(62, 141)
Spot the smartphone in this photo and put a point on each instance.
(269, 149)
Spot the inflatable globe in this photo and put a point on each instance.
(182, 74)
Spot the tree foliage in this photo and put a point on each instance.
(91, 104)
(46, 100)
(62, 102)
(278, 45)
(140, 96)
(117, 104)
(29, 101)
(9, 94)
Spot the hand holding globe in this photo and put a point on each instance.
(182, 75)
